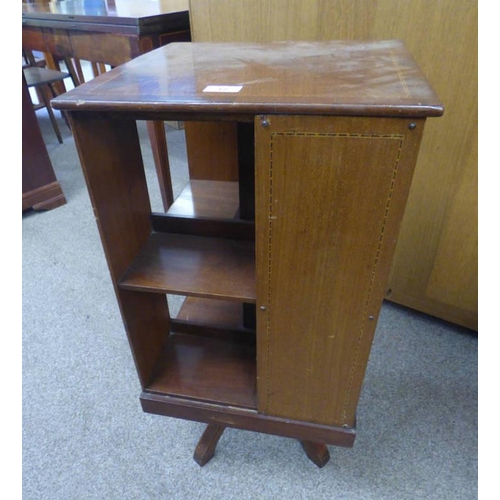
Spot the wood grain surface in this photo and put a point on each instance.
(435, 265)
(204, 161)
(111, 160)
(194, 265)
(41, 189)
(376, 78)
(207, 199)
(331, 194)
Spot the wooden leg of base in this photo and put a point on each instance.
(206, 446)
(316, 452)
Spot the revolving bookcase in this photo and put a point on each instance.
(284, 269)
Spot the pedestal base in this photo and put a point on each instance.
(316, 452)
(206, 446)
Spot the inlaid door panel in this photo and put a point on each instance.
(330, 194)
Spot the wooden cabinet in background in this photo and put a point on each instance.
(435, 264)
(283, 270)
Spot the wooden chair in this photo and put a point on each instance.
(43, 80)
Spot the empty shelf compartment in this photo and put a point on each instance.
(207, 369)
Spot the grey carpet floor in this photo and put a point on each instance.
(86, 437)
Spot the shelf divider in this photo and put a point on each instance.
(196, 266)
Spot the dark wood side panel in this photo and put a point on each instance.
(178, 36)
(110, 155)
(215, 156)
(32, 38)
(330, 197)
(57, 42)
(110, 49)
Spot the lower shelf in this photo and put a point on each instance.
(207, 369)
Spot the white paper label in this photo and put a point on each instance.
(223, 88)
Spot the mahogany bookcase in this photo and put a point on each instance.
(284, 271)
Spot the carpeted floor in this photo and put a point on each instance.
(86, 437)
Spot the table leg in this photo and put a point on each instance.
(53, 63)
(316, 452)
(41, 190)
(75, 71)
(206, 446)
(158, 140)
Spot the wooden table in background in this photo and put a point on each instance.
(110, 32)
(41, 190)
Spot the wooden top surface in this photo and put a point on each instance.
(378, 78)
(103, 11)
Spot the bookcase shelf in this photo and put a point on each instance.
(194, 265)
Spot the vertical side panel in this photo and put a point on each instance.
(111, 160)
(212, 150)
(330, 198)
